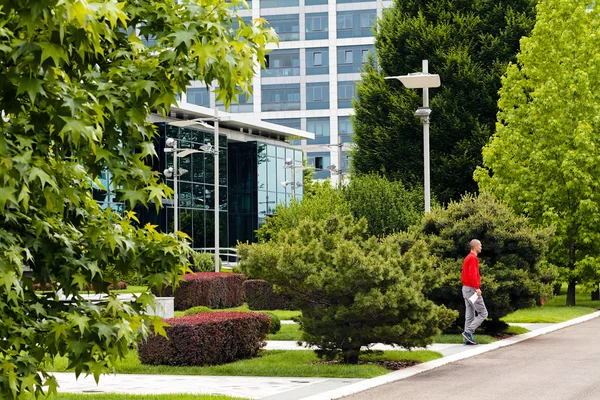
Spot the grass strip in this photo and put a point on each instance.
(547, 314)
(294, 363)
(120, 396)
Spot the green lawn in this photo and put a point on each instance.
(555, 310)
(117, 396)
(295, 363)
(287, 332)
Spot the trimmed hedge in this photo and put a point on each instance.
(211, 289)
(259, 295)
(207, 339)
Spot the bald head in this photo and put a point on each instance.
(475, 246)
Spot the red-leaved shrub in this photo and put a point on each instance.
(207, 339)
(38, 286)
(259, 295)
(211, 289)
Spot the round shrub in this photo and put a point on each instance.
(275, 322)
(197, 310)
(514, 273)
(203, 262)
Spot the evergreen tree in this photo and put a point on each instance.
(353, 290)
(468, 43)
(543, 160)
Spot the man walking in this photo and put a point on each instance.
(475, 312)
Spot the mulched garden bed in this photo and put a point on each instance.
(390, 365)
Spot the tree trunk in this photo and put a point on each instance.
(596, 293)
(350, 355)
(572, 282)
(571, 293)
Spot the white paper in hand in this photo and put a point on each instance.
(473, 298)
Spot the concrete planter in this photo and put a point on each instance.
(165, 307)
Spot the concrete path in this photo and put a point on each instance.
(272, 388)
(561, 365)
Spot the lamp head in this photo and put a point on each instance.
(168, 173)
(170, 142)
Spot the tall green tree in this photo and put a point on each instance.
(468, 43)
(543, 160)
(388, 206)
(77, 84)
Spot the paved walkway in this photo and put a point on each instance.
(561, 365)
(272, 388)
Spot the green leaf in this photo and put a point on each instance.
(32, 86)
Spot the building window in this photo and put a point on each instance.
(345, 129)
(282, 63)
(346, 92)
(317, 26)
(358, 23)
(353, 1)
(347, 57)
(314, 2)
(317, 58)
(317, 96)
(278, 3)
(320, 161)
(281, 97)
(317, 61)
(243, 102)
(198, 96)
(286, 26)
(351, 58)
(320, 127)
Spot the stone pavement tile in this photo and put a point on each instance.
(237, 386)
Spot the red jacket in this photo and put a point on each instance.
(470, 271)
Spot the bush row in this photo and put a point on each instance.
(210, 289)
(224, 290)
(259, 295)
(207, 339)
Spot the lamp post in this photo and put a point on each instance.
(289, 163)
(207, 148)
(171, 147)
(337, 169)
(422, 80)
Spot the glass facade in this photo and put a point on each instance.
(271, 175)
(345, 129)
(346, 92)
(351, 58)
(287, 26)
(358, 23)
(198, 96)
(197, 201)
(320, 127)
(317, 26)
(281, 97)
(317, 96)
(282, 63)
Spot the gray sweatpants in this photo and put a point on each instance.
(475, 313)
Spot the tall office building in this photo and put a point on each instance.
(310, 78)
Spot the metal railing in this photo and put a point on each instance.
(228, 255)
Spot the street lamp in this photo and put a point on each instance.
(206, 148)
(289, 163)
(422, 80)
(171, 147)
